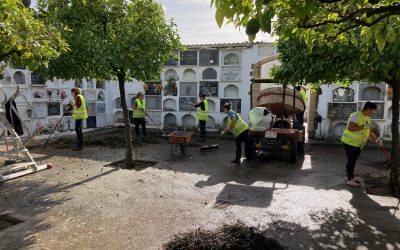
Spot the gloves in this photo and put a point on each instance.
(379, 142)
(367, 126)
(222, 132)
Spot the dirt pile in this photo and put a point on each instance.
(109, 141)
(237, 236)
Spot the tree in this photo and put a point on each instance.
(112, 39)
(372, 27)
(25, 40)
(340, 62)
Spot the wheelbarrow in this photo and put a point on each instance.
(180, 138)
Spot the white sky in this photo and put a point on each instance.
(197, 25)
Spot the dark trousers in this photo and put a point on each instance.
(202, 125)
(79, 134)
(142, 122)
(300, 119)
(352, 155)
(244, 137)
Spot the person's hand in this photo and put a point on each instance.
(222, 132)
(225, 131)
(379, 142)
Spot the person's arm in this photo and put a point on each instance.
(134, 105)
(201, 105)
(233, 121)
(78, 102)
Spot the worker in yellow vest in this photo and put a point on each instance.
(202, 115)
(300, 115)
(355, 136)
(139, 112)
(240, 130)
(79, 113)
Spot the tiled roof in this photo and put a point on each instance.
(224, 45)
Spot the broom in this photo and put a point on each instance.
(212, 145)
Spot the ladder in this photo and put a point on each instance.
(15, 147)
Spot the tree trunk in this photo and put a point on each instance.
(394, 167)
(128, 133)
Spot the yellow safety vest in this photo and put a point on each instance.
(81, 112)
(357, 138)
(141, 107)
(203, 115)
(239, 126)
(304, 95)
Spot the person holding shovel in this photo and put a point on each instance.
(139, 112)
(202, 115)
(240, 130)
(79, 113)
(355, 136)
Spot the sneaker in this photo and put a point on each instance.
(357, 180)
(353, 183)
(235, 161)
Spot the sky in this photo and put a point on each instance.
(197, 25)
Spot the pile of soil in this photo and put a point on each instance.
(135, 165)
(237, 236)
(377, 185)
(109, 141)
(379, 164)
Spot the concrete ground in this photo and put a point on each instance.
(80, 204)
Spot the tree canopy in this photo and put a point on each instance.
(122, 39)
(110, 36)
(25, 40)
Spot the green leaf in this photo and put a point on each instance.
(380, 41)
(219, 17)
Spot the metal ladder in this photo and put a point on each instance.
(26, 164)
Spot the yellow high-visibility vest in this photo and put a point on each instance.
(203, 115)
(141, 107)
(357, 138)
(81, 112)
(239, 126)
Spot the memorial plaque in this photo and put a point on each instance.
(236, 104)
(341, 110)
(91, 122)
(209, 57)
(189, 57)
(91, 109)
(231, 73)
(101, 108)
(343, 95)
(172, 62)
(185, 103)
(53, 108)
(153, 102)
(39, 109)
(90, 95)
(37, 79)
(188, 88)
(209, 88)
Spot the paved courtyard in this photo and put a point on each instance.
(81, 204)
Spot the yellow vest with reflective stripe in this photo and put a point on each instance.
(239, 126)
(357, 138)
(141, 107)
(203, 115)
(81, 112)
